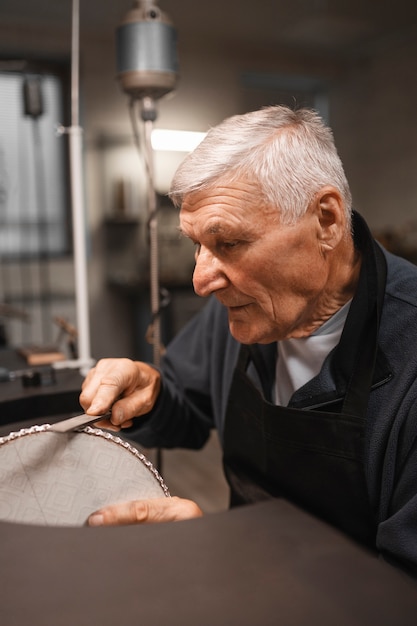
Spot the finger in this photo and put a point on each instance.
(129, 387)
(137, 403)
(89, 388)
(105, 395)
(95, 397)
(108, 425)
(145, 512)
(105, 382)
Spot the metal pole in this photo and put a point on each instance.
(84, 360)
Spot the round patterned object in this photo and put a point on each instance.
(59, 479)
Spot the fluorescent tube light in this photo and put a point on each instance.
(175, 140)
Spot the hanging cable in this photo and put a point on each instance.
(159, 297)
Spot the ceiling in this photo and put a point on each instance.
(337, 28)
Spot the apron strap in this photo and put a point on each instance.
(369, 302)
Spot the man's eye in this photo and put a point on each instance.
(228, 245)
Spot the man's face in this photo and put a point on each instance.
(270, 276)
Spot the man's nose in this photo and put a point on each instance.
(208, 274)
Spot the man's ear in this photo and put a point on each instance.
(331, 216)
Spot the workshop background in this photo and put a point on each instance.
(356, 62)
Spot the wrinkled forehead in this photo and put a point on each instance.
(222, 209)
(231, 195)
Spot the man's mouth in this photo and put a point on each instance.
(237, 307)
(233, 306)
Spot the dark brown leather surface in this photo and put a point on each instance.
(264, 564)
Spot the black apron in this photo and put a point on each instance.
(313, 457)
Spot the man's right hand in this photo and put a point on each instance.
(127, 388)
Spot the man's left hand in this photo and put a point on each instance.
(145, 512)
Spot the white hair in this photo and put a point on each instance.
(290, 155)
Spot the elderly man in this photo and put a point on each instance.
(305, 359)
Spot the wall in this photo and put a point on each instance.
(372, 112)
